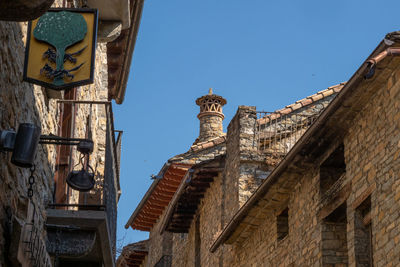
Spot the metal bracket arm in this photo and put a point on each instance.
(84, 145)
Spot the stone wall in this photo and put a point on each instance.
(201, 236)
(244, 166)
(301, 245)
(231, 172)
(24, 102)
(159, 244)
(372, 149)
(21, 102)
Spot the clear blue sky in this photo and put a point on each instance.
(261, 53)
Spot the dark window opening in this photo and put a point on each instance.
(363, 234)
(282, 224)
(332, 169)
(334, 237)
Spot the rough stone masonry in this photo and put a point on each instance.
(23, 102)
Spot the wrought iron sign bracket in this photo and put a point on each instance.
(85, 146)
(23, 143)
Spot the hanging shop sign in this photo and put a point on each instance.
(60, 49)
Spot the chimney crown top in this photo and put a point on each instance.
(211, 104)
(210, 116)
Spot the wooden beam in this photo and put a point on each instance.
(178, 230)
(143, 224)
(178, 174)
(197, 188)
(181, 224)
(154, 205)
(173, 203)
(203, 179)
(172, 182)
(183, 216)
(163, 196)
(150, 210)
(140, 253)
(160, 201)
(195, 196)
(181, 212)
(135, 261)
(147, 218)
(141, 228)
(146, 211)
(186, 210)
(169, 188)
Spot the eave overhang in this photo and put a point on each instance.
(186, 200)
(120, 52)
(330, 125)
(133, 254)
(157, 196)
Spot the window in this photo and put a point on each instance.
(331, 170)
(363, 234)
(334, 238)
(282, 224)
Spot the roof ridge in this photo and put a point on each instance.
(208, 144)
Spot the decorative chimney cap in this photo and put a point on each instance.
(211, 104)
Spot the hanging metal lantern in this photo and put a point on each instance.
(82, 180)
(25, 145)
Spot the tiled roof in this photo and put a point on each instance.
(208, 144)
(133, 254)
(160, 193)
(184, 204)
(157, 197)
(119, 54)
(303, 102)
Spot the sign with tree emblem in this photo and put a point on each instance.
(60, 49)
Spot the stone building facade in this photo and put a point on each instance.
(313, 184)
(41, 230)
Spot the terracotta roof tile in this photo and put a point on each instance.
(303, 102)
(208, 144)
(317, 97)
(306, 101)
(296, 106)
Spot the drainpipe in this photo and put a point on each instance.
(372, 62)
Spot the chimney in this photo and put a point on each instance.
(210, 116)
